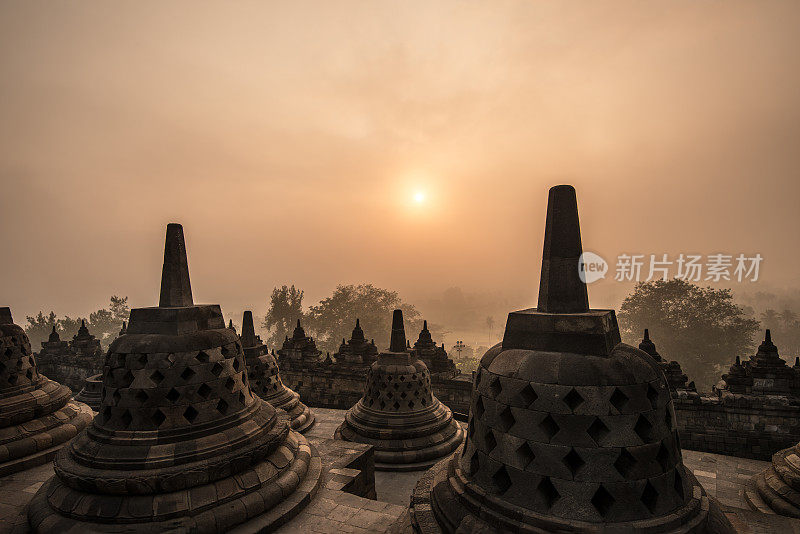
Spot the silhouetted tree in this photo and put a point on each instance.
(334, 317)
(770, 318)
(700, 327)
(104, 324)
(285, 308)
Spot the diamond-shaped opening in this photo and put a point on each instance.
(202, 357)
(188, 373)
(678, 484)
(396, 405)
(190, 414)
(126, 418)
(501, 480)
(222, 407)
(12, 379)
(549, 427)
(173, 395)
(241, 398)
(471, 428)
(159, 418)
(216, 369)
(506, 419)
(490, 441)
(411, 404)
(127, 379)
(142, 359)
(598, 430)
(668, 418)
(402, 378)
(525, 454)
(625, 463)
(204, 391)
(29, 374)
(389, 395)
(652, 396)
(649, 497)
(527, 395)
(495, 387)
(383, 405)
(479, 409)
(618, 399)
(403, 395)
(224, 350)
(157, 377)
(116, 396)
(573, 399)
(662, 457)
(230, 383)
(573, 461)
(142, 396)
(8, 352)
(236, 364)
(643, 429)
(474, 464)
(602, 501)
(548, 492)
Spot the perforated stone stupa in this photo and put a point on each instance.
(434, 356)
(676, 379)
(36, 414)
(90, 393)
(299, 349)
(265, 378)
(398, 414)
(357, 351)
(570, 430)
(180, 442)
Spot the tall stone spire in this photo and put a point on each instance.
(398, 341)
(560, 288)
(176, 290)
(248, 330)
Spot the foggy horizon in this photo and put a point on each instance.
(408, 146)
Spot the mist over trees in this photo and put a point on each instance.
(335, 316)
(104, 324)
(700, 327)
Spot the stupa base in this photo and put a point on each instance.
(773, 491)
(37, 441)
(409, 454)
(255, 500)
(301, 418)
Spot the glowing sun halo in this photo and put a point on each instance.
(419, 197)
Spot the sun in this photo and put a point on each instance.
(419, 197)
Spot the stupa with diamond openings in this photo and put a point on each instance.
(180, 442)
(265, 378)
(570, 430)
(398, 414)
(37, 416)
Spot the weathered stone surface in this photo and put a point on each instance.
(180, 441)
(265, 378)
(357, 351)
(398, 414)
(672, 370)
(36, 414)
(569, 430)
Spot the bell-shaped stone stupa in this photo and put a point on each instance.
(398, 414)
(777, 489)
(36, 415)
(265, 378)
(90, 392)
(180, 442)
(570, 430)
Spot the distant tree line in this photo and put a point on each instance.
(104, 324)
(334, 317)
(700, 327)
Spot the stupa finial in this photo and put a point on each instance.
(560, 288)
(398, 340)
(176, 291)
(248, 330)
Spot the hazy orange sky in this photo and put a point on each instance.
(290, 138)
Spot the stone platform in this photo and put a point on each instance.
(340, 506)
